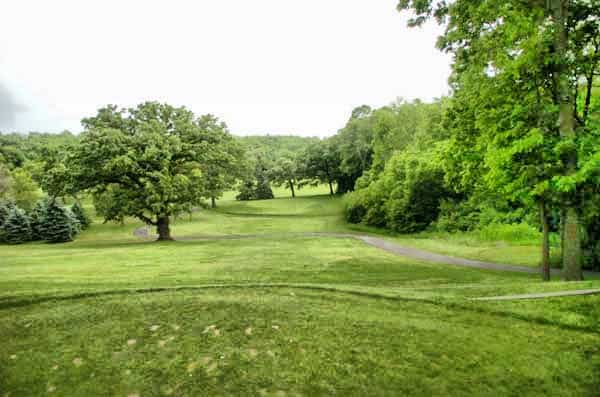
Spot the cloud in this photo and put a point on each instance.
(8, 108)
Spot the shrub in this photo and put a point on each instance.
(16, 227)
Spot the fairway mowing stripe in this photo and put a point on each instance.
(542, 295)
(390, 247)
(448, 305)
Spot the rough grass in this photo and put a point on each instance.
(281, 315)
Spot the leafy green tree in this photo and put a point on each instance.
(6, 182)
(25, 192)
(16, 228)
(144, 162)
(222, 170)
(321, 164)
(285, 173)
(539, 47)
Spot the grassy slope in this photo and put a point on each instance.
(327, 316)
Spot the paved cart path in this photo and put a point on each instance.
(383, 244)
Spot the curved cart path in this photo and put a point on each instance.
(385, 245)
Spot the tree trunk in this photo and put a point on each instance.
(213, 202)
(545, 265)
(330, 188)
(163, 229)
(292, 187)
(572, 245)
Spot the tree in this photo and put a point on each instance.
(25, 192)
(16, 228)
(58, 225)
(263, 188)
(539, 47)
(80, 215)
(285, 173)
(320, 164)
(144, 162)
(37, 218)
(6, 182)
(222, 170)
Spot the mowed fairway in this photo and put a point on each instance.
(269, 311)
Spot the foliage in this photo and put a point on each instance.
(79, 213)
(24, 192)
(16, 228)
(58, 224)
(38, 220)
(147, 162)
(285, 172)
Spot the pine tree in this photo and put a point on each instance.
(5, 208)
(16, 228)
(79, 212)
(37, 220)
(263, 188)
(58, 224)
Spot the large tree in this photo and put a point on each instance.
(144, 162)
(520, 64)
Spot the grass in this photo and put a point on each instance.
(281, 315)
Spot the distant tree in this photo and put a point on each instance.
(25, 192)
(246, 190)
(5, 209)
(221, 171)
(257, 186)
(321, 164)
(285, 172)
(263, 188)
(6, 182)
(16, 228)
(145, 162)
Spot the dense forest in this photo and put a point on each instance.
(516, 143)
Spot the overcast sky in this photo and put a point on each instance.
(263, 66)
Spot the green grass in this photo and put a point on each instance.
(282, 314)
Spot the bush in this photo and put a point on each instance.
(405, 198)
(16, 227)
(458, 216)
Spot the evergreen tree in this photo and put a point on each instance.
(58, 224)
(16, 228)
(79, 212)
(37, 220)
(5, 209)
(263, 188)
(246, 191)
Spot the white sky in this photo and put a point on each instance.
(263, 66)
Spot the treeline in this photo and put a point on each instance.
(517, 142)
